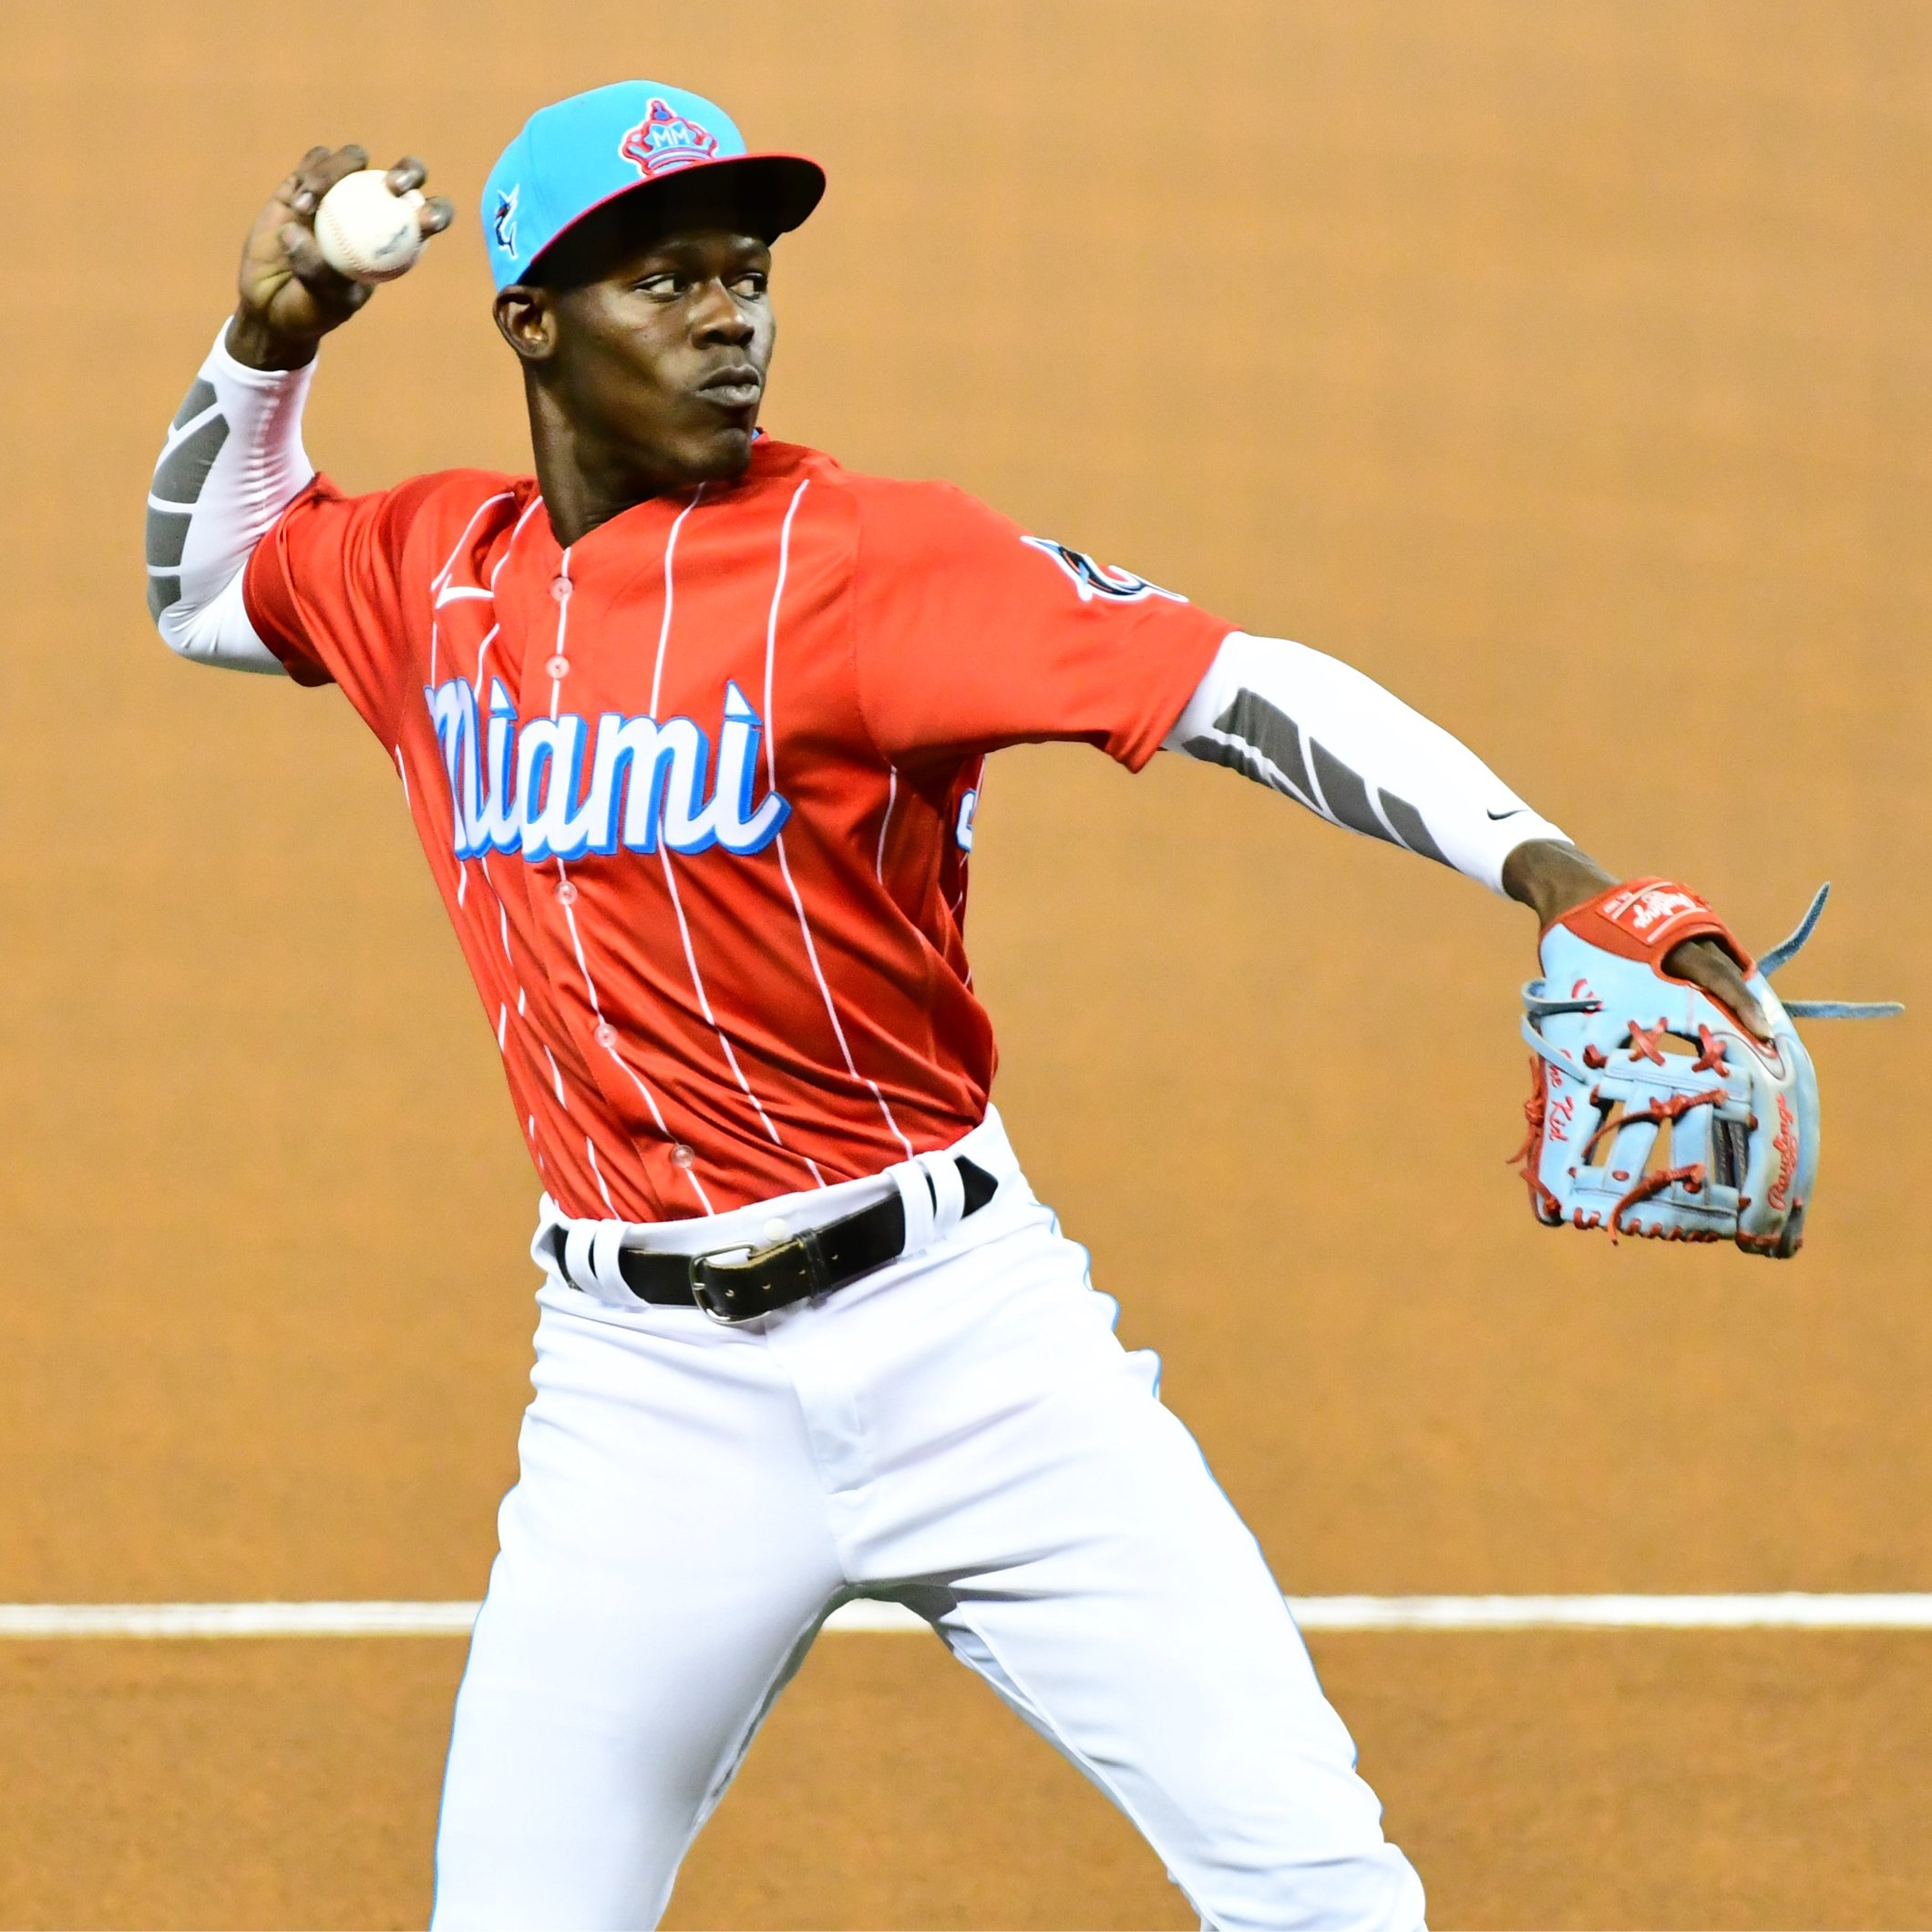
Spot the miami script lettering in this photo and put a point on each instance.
(557, 788)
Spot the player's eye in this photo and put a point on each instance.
(661, 287)
(752, 282)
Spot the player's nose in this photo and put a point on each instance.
(716, 317)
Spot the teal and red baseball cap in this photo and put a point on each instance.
(577, 155)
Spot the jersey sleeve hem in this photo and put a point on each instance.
(269, 600)
(1188, 672)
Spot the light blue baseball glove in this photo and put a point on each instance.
(1652, 1110)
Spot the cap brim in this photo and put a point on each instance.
(779, 193)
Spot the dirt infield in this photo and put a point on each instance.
(1566, 368)
(1574, 1781)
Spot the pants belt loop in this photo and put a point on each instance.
(547, 1243)
(578, 1267)
(948, 1194)
(606, 1244)
(910, 1178)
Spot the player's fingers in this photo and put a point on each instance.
(307, 259)
(320, 175)
(436, 214)
(1738, 996)
(311, 172)
(1716, 972)
(348, 160)
(406, 174)
(310, 187)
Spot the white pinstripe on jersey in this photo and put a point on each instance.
(440, 581)
(771, 775)
(590, 1148)
(677, 903)
(663, 629)
(879, 864)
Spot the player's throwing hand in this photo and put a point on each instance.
(290, 296)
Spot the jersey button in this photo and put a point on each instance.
(558, 667)
(566, 894)
(683, 1155)
(560, 588)
(606, 1034)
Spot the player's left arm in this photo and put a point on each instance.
(1316, 730)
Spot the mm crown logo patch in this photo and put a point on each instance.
(666, 140)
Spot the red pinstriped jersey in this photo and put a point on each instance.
(697, 790)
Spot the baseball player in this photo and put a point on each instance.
(692, 724)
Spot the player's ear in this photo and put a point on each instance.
(527, 321)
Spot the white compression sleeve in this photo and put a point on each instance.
(233, 463)
(1310, 726)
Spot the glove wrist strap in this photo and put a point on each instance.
(1643, 919)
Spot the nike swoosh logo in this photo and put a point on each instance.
(1511, 813)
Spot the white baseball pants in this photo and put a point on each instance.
(959, 1430)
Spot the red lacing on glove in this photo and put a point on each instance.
(1673, 1109)
(1535, 1110)
(1712, 1061)
(1692, 1176)
(1643, 1040)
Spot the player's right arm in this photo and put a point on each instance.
(233, 460)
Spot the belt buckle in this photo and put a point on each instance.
(705, 1294)
(774, 1276)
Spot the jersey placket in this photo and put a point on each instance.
(604, 1035)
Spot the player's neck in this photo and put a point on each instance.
(584, 488)
(586, 479)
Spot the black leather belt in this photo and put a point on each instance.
(757, 1281)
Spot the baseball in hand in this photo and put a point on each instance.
(366, 232)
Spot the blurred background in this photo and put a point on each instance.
(1566, 368)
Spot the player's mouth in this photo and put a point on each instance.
(739, 387)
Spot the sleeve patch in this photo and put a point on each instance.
(1099, 580)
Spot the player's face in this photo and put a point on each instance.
(659, 357)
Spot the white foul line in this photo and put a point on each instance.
(1773, 1610)
(236, 1619)
(1763, 1610)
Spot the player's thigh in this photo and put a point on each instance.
(1148, 1640)
(663, 1556)
(585, 1754)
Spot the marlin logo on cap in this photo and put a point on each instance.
(503, 223)
(666, 140)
